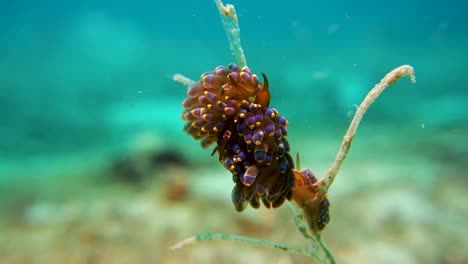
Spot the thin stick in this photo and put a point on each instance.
(299, 222)
(389, 79)
(246, 240)
(326, 250)
(182, 79)
(313, 239)
(231, 26)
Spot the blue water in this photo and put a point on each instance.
(81, 79)
(65, 64)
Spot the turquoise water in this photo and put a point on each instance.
(86, 84)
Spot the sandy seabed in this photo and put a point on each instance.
(400, 198)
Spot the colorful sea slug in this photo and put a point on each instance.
(230, 107)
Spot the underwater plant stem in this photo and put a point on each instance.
(182, 79)
(389, 79)
(247, 240)
(231, 26)
(326, 250)
(314, 239)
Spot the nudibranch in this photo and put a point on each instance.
(230, 107)
(311, 200)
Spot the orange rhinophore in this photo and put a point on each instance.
(263, 96)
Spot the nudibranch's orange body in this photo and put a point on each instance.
(307, 195)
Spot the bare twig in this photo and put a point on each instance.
(246, 240)
(389, 79)
(326, 250)
(231, 26)
(182, 79)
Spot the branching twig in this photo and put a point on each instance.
(246, 240)
(182, 79)
(324, 185)
(231, 26)
(326, 250)
(390, 78)
(230, 23)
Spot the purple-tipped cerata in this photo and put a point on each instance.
(229, 107)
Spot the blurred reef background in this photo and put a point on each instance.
(95, 166)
